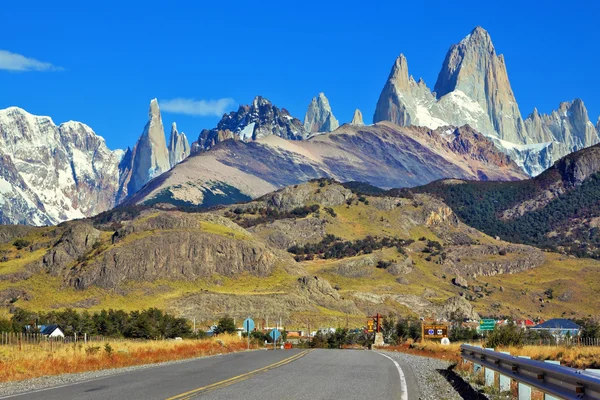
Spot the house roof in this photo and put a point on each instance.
(48, 329)
(558, 323)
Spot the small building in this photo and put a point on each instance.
(559, 327)
(51, 331)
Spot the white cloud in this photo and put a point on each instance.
(197, 107)
(17, 62)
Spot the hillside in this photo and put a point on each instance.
(384, 154)
(316, 251)
(558, 210)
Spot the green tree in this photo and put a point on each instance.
(506, 335)
(225, 325)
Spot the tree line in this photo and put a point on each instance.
(147, 324)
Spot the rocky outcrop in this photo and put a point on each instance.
(357, 118)
(252, 122)
(285, 233)
(179, 148)
(150, 156)
(489, 260)
(53, 173)
(319, 117)
(473, 68)
(77, 240)
(293, 197)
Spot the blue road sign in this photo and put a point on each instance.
(274, 334)
(249, 325)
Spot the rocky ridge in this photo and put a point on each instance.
(252, 122)
(385, 155)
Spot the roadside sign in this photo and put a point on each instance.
(370, 325)
(487, 325)
(249, 325)
(274, 334)
(434, 330)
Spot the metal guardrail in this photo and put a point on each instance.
(555, 380)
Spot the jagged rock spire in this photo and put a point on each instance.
(391, 106)
(150, 155)
(319, 117)
(179, 147)
(473, 67)
(357, 118)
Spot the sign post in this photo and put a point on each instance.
(274, 334)
(434, 330)
(487, 325)
(249, 327)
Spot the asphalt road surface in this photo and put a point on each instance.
(281, 374)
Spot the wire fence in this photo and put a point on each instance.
(29, 340)
(564, 341)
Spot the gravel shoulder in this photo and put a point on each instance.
(45, 382)
(432, 385)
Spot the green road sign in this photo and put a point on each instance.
(487, 325)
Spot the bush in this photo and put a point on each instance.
(225, 325)
(506, 335)
(21, 243)
(91, 350)
(108, 349)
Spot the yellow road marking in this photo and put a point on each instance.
(235, 379)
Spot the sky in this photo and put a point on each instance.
(102, 62)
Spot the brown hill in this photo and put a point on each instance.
(384, 155)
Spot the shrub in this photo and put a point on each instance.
(21, 243)
(225, 325)
(108, 349)
(91, 350)
(506, 335)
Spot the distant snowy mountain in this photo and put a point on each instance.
(473, 88)
(53, 173)
(50, 174)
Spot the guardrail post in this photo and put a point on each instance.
(524, 390)
(504, 380)
(547, 396)
(476, 367)
(489, 374)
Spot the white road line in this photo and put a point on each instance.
(404, 394)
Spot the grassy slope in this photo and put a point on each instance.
(559, 273)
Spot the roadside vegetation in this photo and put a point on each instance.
(57, 358)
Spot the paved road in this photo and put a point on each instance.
(290, 374)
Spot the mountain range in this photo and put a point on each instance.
(469, 127)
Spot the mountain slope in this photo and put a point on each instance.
(316, 250)
(558, 209)
(384, 154)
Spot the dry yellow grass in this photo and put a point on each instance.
(572, 356)
(54, 359)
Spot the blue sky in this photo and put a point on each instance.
(102, 62)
